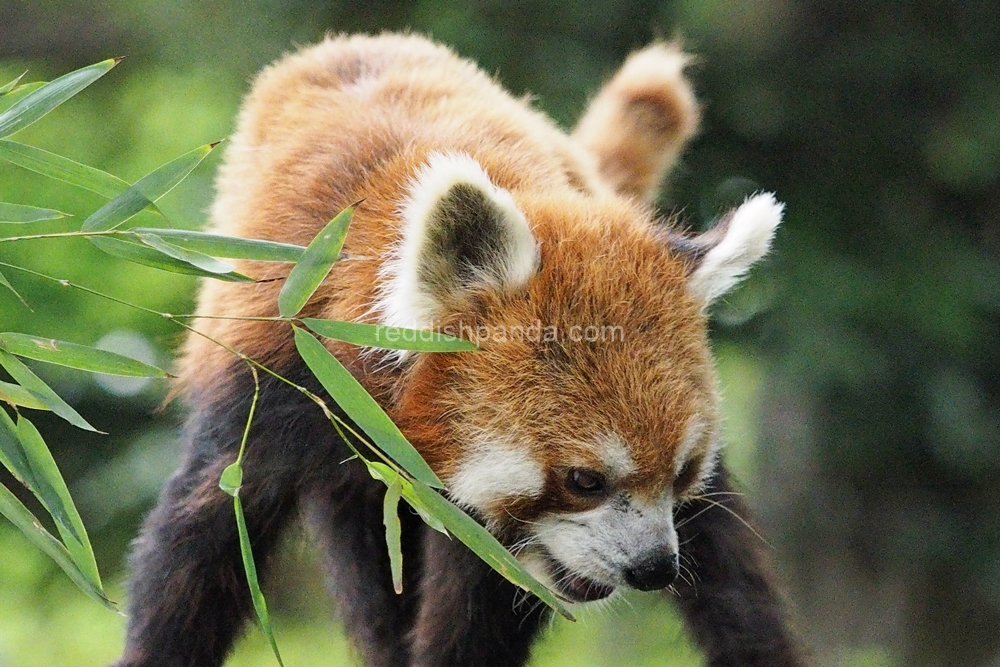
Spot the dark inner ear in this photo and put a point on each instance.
(694, 248)
(466, 237)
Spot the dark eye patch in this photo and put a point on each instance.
(688, 474)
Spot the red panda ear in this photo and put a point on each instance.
(460, 233)
(722, 256)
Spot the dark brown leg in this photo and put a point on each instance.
(727, 595)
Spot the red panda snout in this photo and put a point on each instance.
(622, 542)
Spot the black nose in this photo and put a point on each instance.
(653, 572)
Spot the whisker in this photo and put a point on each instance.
(718, 493)
(692, 518)
(741, 520)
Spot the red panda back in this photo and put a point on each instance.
(353, 119)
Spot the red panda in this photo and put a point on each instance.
(588, 442)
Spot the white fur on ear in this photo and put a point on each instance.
(746, 239)
(459, 231)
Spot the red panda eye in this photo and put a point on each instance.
(586, 482)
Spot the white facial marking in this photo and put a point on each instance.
(692, 436)
(492, 471)
(747, 239)
(615, 456)
(402, 301)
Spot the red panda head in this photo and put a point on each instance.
(591, 409)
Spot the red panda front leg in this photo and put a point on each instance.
(469, 615)
(346, 516)
(727, 595)
(639, 122)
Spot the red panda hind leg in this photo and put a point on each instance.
(188, 596)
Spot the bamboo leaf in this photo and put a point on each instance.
(18, 453)
(68, 171)
(54, 494)
(315, 263)
(477, 538)
(231, 479)
(27, 379)
(360, 407)
(200, 260)
(7, 87)
(259, 603)
(20, 516)
(148, 256)
(386, 474)
(393, 533)
(448, 518)
(230, 247)
(12, 453)
(6, 283)
(15, 394)
(36, 104)
(145, 191)
(19, 214)
(18, 93)
(62, 169)
(393, 338)
(76, 356)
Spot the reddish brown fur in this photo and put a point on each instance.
(358, 118)
(355, 124)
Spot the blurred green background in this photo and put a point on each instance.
(860, 364)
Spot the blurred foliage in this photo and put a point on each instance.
(861, 365)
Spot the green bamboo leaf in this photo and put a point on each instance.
(31, 467)
(35, 105)
(361, 408)
(17, 458)
(15, 394)
(145, 191)
(381, 471)
(259, 604)
(230, 247)
(69, 171)
(202, 261)
(477, 538)
(77, 356)
(27, 379)
(6, 283)
(393, 338)
(19, 214)
(62, 169)
(147, 256)
(25, 521)
(61, 506)
(394, 533)
(232, 479)
(12, 453)
(18, 93)
(7, 87)
(315, 263)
